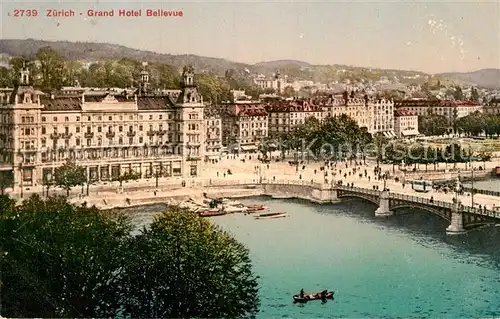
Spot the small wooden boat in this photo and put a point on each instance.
(313, 296)
(271, 215)
(211, 213)
(240, 208)
(256, 208)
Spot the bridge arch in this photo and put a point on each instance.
(432, 210)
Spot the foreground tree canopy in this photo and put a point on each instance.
(60, 260)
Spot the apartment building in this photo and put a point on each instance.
(405, 124)
(213, 142)
(284, 116)
(244, 126)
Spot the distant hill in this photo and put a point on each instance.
(488, 78)
(90, 51)
(100, 51)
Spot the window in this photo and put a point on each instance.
(140, 139)
(130, 117)
(88, 118)
(120, 141)
(44, 131)
(99, 141)
(66, 119)
(151, 117)
(130, 140)
(140, 127)
(23, 119)
(44, 119)
(89, 142)
(160, 116)
(77, 142)
(110, 118)
(100, 118)
(88, 129)
(121, 118)
(78, 119)
(55, 118)
(78, 129)
(120, 128)
(99, 129)
(66, 130)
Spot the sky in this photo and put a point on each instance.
(434, 37)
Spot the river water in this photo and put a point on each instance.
(403, 266)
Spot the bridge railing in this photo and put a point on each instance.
(422, 200)
(480, 211)
(358, 190)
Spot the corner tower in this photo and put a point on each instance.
(191, 124)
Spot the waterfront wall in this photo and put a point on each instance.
(443, 175)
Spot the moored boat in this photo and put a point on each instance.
(211, 213)
(314, 296)
(271, 215)
(240, 208)
(254, 208)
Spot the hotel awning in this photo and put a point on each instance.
(386, 134)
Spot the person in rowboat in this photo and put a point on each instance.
(302, 293)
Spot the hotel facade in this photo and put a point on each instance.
(108, 135)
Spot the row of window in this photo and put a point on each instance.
(120, 117)
(111, 128)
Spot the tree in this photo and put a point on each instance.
(458, 95)
(68, 176)
(474, 94)
(60, 260)
(51, 68)
(127, 176)
(432, 125)
(189, 268)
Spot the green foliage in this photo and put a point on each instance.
(189, 268)
(333, 137)
(51, 68)
(432, 125)
(59, 260)
(397, 152)
(477, 123)
(69, 175)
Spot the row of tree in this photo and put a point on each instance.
(70, 175)
(398, 153)
(479, 123)
(472, 125)
(61, 260)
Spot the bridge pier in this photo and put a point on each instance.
(457, 221)
(383, 209)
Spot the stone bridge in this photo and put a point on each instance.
(461, 218)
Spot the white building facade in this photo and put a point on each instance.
(106, 134)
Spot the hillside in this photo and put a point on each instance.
(101, 51)
(89, 51)
(488, 78)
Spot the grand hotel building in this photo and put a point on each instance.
(146, 133)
